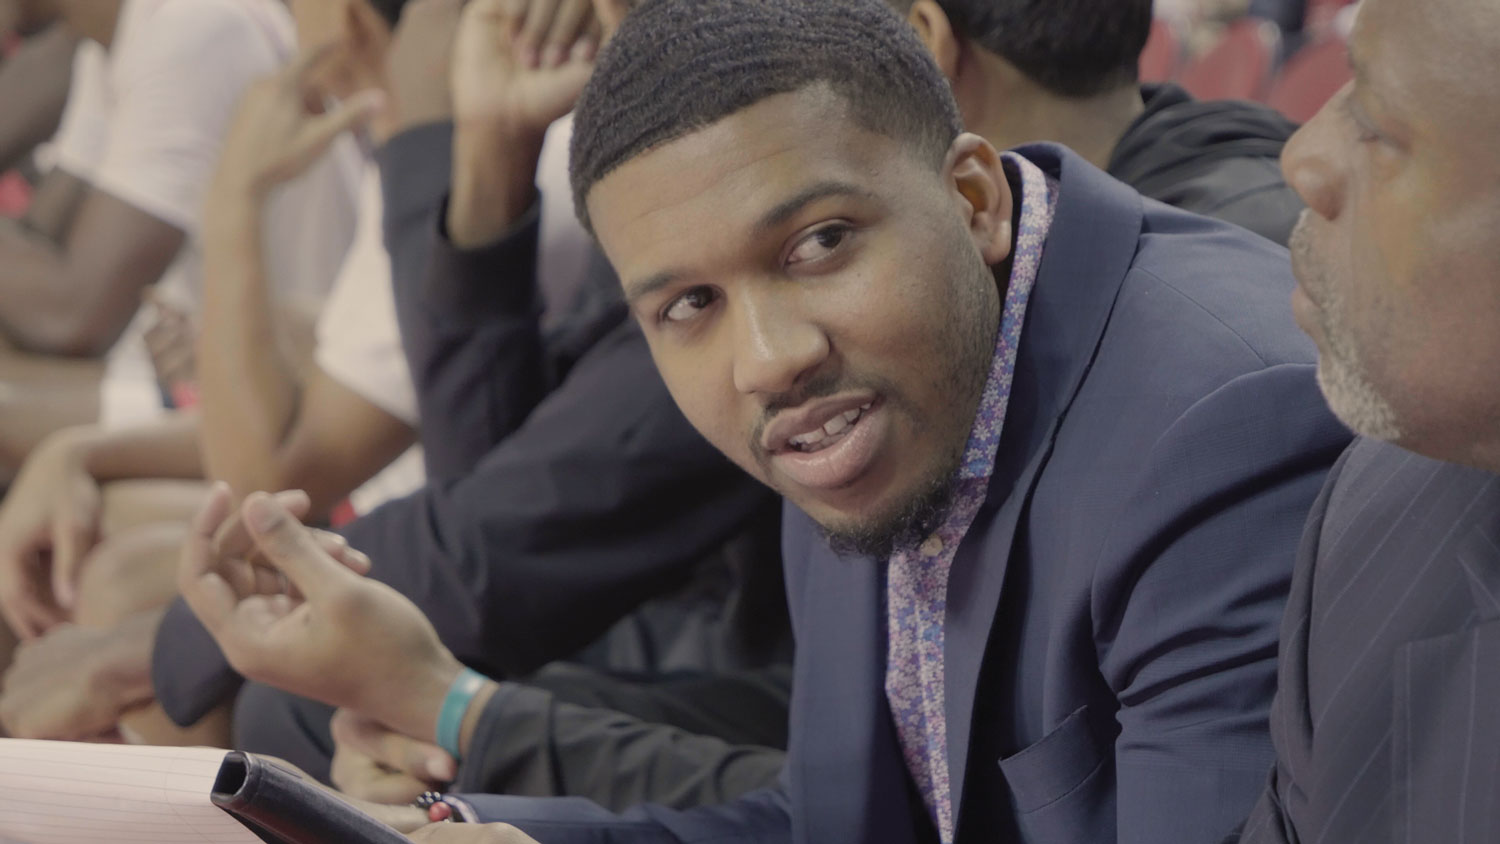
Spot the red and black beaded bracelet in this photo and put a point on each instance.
(438, 810)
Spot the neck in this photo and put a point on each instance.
(94, 19)
(1018, 111)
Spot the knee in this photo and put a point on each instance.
(130, 572)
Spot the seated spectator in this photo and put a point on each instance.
(761, 699)
(834, 281)
(130, 181)
(1031, 70)
(1385, 723)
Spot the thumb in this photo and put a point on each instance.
(289, 546)
(75, 531)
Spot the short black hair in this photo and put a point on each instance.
(677, 66)
(1076, 48)
(389, 9)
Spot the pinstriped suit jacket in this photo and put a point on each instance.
(1387, 715)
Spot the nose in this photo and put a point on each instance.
(1313, 162)
(775, 346)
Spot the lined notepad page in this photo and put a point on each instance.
(64, 793)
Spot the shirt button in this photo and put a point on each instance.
(932, 547)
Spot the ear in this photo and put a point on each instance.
(983, 195)
(936, 31)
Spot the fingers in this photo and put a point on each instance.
(534, 29)
(493, 833)
(307, 64)
(233, 538)
(290, 546)
(75, 532)
(210, 596)
(571, 27)
(417, 759)
(321, 130)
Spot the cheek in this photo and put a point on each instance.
(702, 384)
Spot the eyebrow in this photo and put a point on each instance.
(777, 216)
(813, 193)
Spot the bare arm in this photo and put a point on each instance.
(34, 88)
(264, 426)
(74, 294)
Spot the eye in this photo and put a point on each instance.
(819, 244)
(688, 305)
(1364, 133)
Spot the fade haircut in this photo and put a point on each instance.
(1075, 48)
(678, 66)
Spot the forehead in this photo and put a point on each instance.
(728, 174)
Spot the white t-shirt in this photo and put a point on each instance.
(563, 254)
(167, 90)
(359, 345)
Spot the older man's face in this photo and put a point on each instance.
(1398, 256)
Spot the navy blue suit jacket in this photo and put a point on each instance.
(1387, 717)
(1113, 613)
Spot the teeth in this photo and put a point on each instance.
(836, 425)
(809, 438)
(832, 428)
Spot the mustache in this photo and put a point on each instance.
(819, 386)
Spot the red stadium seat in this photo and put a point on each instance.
(1238, 67)
(1310, 78)
(1162, 55)
(15, 195)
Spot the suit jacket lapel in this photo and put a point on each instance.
(1093, 240)
(843, 723)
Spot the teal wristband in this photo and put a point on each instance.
(455, 705)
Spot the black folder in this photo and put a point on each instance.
(282, 807)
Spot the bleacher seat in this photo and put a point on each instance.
(1238, 67)
(1310, 78)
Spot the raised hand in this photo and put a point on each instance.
(280, 129)
(510, 82)
(519, 65)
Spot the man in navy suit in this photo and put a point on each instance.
(1047, 448)
(1387, 715)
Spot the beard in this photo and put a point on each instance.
(1343, 375)
(967, 357)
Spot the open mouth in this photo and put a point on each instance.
(831, 432)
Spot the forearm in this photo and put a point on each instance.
(167, 448)
(527, 742)
(40, 306)
(494, 182)
(249, 388)
(34, 87)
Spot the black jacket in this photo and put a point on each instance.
(1219, 158)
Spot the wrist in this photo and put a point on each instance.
(416, 714)
(494, 183)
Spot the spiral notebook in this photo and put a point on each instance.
(67, 793)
